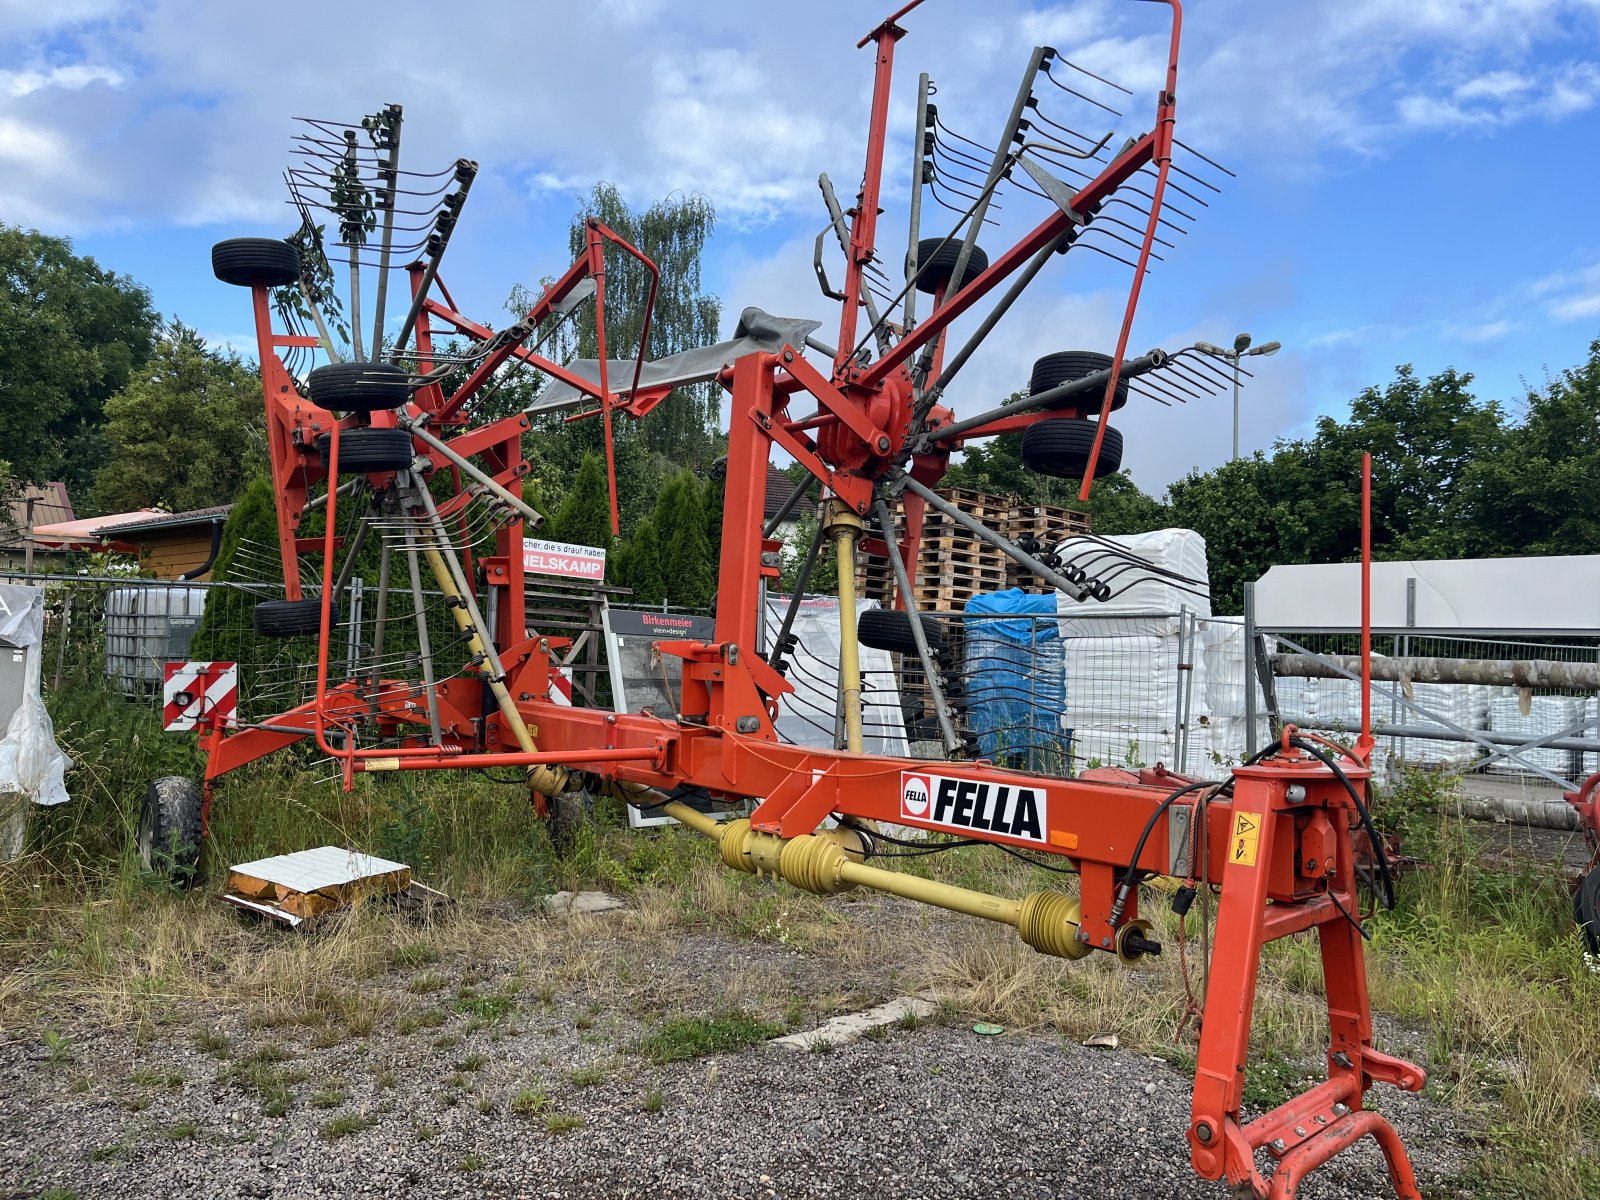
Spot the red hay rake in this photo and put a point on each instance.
(442, 493)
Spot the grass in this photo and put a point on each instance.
(1484, 965)
(653, 1102)
(679, 1038)
(559, 1122)
(530, 1102)
(344, 1125)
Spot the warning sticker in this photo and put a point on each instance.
(1246, 837)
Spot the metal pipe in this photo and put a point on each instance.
(1518, 673)
(802, 578)
(918, 166)
(1145, 363)
(392, 172)
(843, 526)
(930, 669)
(836, 219)
(530, 515)
(787, 507)
(981, 531)
(322, 326)
(1018, 286)
(548, 781)
(1446, 734)
(1002, 158)
(424, 650)
(828, 863)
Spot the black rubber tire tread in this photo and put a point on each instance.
(290, 618)
(168, 836)
(1066, 365)
(936, 263)
(1059, 446)
(359, 386)
(890, 629)
(1586, 910)
(363, 449)
(255, 262)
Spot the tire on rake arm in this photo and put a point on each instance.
(291, 618)
(168, 836)
(890, 629)
(255, 262)
(359, 386)
(1065, 366)
(1060, 446)
(936, 264)
(364, 449)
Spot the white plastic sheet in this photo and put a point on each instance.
(32, 767)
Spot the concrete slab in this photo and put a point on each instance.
(848, 1028)
(566, 904)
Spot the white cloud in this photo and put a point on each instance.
(1570, 295)
(67, 78)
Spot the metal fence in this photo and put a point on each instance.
(1056, 694)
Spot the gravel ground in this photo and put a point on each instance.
(930, 1111)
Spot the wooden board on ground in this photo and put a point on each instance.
(310, 883)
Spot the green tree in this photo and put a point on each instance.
(225, 633)
(185, 433)
(641, 569)
(71, 334)
(584, 517)
(686, 558)
(1535, 493)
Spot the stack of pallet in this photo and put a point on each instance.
(953, 565)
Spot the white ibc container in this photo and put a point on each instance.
(146, 626)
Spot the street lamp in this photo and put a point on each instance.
(1241, 349)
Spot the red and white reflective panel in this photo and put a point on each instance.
(561, 687)
(197, 693)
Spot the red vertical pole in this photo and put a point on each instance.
(744, 499)
(1364, 745)
(864, 225)
(597, 268)
(281, 452)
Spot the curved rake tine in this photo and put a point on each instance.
(1080, 95)
(1110, 83)
(1146, 394)
(1179, 188)
(1205, 159)
(1205, 183)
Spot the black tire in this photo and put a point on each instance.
(567, 817)
(1060, 446)
(290, 618)
(1586, 910)
(359, 386)
(936, 264)
(255, 262)
(168, 837)
(362, 450)
(890, 629)
(1067, 365)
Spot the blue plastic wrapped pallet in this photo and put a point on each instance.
(1016, 680)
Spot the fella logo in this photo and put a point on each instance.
(973, 806)
(916, 791)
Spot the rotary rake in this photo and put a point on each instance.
(394, 453)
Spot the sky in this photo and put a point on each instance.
(1414, 178)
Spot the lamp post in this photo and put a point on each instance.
(1241, 349)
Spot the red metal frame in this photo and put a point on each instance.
(1279, 850)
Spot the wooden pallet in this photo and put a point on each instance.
(953, 566)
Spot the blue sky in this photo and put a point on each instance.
(1415, 176)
